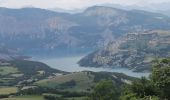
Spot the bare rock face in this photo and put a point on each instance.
(107, 16)
(59, 24)
(133, 51)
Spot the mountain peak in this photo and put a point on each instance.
(102, 10)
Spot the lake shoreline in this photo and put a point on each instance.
(69, 64)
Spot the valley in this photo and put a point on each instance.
(56, 34)
(100, 53)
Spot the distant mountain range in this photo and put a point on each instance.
(40, 31)
(72, 11)
(134, 51)
(162, 8)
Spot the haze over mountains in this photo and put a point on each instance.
(162, 8)
(30, 30)
(152, 7)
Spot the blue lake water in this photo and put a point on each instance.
(69, 64)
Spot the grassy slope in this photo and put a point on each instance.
(82, 80)
(8, 70)
(33, 97)
(25, 98)
(8, 90)
(20, 70)
(70, 82)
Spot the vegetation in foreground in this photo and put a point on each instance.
(8, 90)
(31, 97)
(157, 87)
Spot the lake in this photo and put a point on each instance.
(69, 64)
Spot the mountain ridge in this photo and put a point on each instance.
(37, 30)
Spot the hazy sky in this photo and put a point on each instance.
(71, 4)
